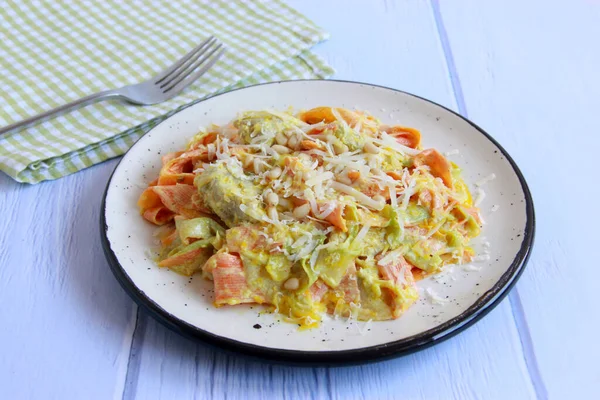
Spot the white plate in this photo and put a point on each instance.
(185, 304)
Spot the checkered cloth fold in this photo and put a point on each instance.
(56, 52)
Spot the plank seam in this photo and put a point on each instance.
(518, 313)
(449, 58)
(516, 306)
(133, 364)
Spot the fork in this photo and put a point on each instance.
(157, 89)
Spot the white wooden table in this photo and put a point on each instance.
(526, 71)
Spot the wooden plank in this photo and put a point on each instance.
(483, 362)
(66, 324)
(166, 365)
(529, 74)
(389, 43)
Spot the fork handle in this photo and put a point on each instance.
(59, 110)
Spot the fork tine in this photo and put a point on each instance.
(190, 76)
(189, 65)
(198, 49)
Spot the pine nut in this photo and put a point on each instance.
(343, 178)
(280, 138)
(292, 284)
(280, 149)
(275, 173)
(257, 166)
(285, 203)
(272, 213)
(293, 142)
(376, 171)
(301, 211)
(272, 199)
(340, 148)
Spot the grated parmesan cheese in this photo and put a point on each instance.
(389, 257)
(359, 196)
(358, 126)
(388, 141)
(211, 151)
(362, 233)
(393, 196)
(327, 209)
(481, 258)
(485, 180)
(365, 328)
(319, 178)
(408, 192)
(300, 241)
(434, 298)
(313, 257)
(276, 249)
(480, 195)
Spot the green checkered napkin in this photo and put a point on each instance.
(54, 52)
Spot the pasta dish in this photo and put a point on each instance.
(323, 211)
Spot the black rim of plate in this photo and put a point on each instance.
(484, 304)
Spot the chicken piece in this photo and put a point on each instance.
(258, 127)
(225, 191)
